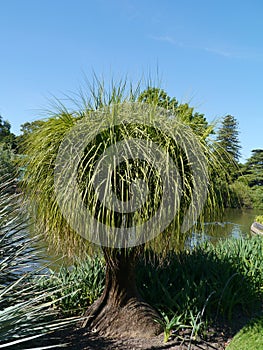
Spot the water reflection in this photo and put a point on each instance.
(234, 223)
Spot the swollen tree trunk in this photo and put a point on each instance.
(120, 311)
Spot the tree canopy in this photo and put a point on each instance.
(197, 121)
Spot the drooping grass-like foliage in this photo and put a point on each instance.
(107, 118)
(12, 234)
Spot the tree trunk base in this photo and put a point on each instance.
(120, 311)
(135, 319)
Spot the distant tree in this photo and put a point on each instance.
(247, 189)
(158, 97)
(29, 127)
(253, 168)
(26, 129)
(240, 195)
(196, 121)
(7, 139)
(7, 147)
(7, 162)
(229, 146)
(5, 127)
(227, 137)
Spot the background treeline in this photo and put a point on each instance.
(241, 186)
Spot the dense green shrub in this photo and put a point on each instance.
(229, 274)
(241, 195)
(257, 197)
(226, 277)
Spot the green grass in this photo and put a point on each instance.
(250, 337)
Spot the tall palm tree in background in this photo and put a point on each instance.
(121, 160)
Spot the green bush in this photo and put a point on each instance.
(241, 195)
(227, 277)
(257, 196)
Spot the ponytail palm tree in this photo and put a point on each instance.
(122, 177)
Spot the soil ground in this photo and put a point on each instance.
(81, 339)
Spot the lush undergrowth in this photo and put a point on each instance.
(250, 337)
(221, 280)
(208, 283)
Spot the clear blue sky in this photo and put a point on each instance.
(208, 53)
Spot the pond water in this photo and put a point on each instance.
(234, 223)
